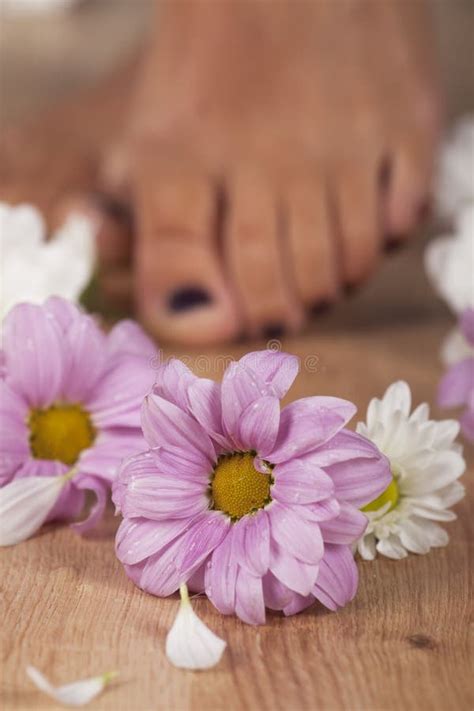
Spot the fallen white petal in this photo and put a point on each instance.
(78, 693)
(25, 505)
(190, 644)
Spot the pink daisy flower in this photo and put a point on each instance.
(255, 506)
(70, 401)
(456, 388)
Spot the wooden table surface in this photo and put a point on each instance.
(402, 644)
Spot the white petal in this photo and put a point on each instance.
(78, 693)
(190, 644)
(391, 547)
(33, 267)
(366, 547)
(449, 262)
(25, 505)
(413, 537)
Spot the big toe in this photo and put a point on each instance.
(180, 288)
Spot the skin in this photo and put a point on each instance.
(270, 152)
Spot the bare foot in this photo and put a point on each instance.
(273, 149)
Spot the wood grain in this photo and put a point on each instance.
(403, 644)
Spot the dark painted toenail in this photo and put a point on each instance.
(273, 330)
(189, 298)
(351, 289)
(115, 209)
(393, 244)
(385, 174)
(321, 307)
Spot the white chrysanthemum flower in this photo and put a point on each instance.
(455, 185)
(449, 263)
(34, 269)
(78, 693)
(425, 462)
(190, 644)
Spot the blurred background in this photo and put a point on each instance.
(47, 56)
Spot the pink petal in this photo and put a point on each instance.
(346, 528)
(111, 447)
(276, 595)
(307, 424)
(166, 424)
(15, 447)
(275, 368)
(240, 387)
(118, 396)
(173, 379)
(258, 425)
(338, 577)
(252, 542)
(34, 353)
(249, 604)
(295, 534)
(457, 384)
(140, 538)
(321, 510)
(359, 471)
(299, 482)
(85, 358)
(128, 337)
(69, 505)
(63, 311)
(101, 491)
(221, 575)
(153, 492)
(290, 571)
(297, 604)
(205, 404)
(165, 571)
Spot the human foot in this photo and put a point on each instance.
(265, 165)
(274, 147)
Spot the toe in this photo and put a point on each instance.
(179, 283)
(357, 219)
(409, 189)
(310, 241)
(256, 256)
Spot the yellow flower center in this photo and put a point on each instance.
(391, 495)
(60, 432)
(237, 488)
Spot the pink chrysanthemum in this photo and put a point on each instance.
(255, 506)
(70, 400)
(456, 388)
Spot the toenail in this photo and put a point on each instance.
(189, 298)
(321, 307)
(392, 244)
(385, 174)
(351, 289)
(114, 208)
(273, 330)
